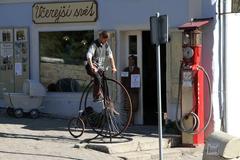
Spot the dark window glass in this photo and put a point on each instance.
(62, 56)
(132, 40)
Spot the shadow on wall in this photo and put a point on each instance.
(208, 61)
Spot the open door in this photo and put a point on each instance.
(150, 108)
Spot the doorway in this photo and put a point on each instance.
(150, 108)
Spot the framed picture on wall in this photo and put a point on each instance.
(6, 35)
(20, 34)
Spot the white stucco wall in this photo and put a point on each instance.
(229, 48)
(232, 72)
(136, 13)
(211, 64)
(15, 14)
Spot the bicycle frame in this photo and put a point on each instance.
(83, 94)
(104, 89)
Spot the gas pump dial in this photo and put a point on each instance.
(188, 52)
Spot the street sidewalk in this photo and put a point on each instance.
(43, 138)
(48, 138)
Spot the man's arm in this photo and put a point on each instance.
(94, 68)
(90, 53)
(113, 64)
(110, 56)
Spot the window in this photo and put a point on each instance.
(132, 41)
(62, 56)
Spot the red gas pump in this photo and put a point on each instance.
(191, 94)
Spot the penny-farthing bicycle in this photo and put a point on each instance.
(109, 117)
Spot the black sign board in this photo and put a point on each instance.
(159, 29)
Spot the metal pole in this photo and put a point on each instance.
(159, 96)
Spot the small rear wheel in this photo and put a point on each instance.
(34, 113)
(76, 127)
(18, 113)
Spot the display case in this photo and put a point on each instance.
(14, 58)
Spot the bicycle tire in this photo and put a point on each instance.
(76, 127)
(112, 116)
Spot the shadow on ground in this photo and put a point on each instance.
(45, 123)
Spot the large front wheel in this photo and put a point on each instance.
(111, 116)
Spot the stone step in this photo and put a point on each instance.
(136, 144)
(168, 154)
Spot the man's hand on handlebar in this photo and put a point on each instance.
(94, 68)
(114, 70)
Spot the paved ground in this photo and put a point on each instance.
(42, 138)
(47, 138)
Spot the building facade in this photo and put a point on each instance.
(48, 41)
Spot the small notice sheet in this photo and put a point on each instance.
(135, 80)
(18, 69)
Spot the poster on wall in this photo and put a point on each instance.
(135, 81)
(21, 56)
(20, 34)
(18, 69)
(6, 35)
(6, 39)
(21, 51)
(6, 49)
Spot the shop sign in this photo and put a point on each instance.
(72, 12)
(235, 6)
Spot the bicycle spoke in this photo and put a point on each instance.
(115, 126)
(100, 123)
(109, 125)
(111, 117)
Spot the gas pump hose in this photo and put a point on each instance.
(196, 121)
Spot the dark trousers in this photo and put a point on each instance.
(97, 81)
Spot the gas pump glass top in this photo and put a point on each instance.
(186, 39)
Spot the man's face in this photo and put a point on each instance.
(103, 39)
(131, 61)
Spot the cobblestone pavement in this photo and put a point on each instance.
(42, 138)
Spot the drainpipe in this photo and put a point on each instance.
(226, 4)
(224, 67)
(222, 9)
